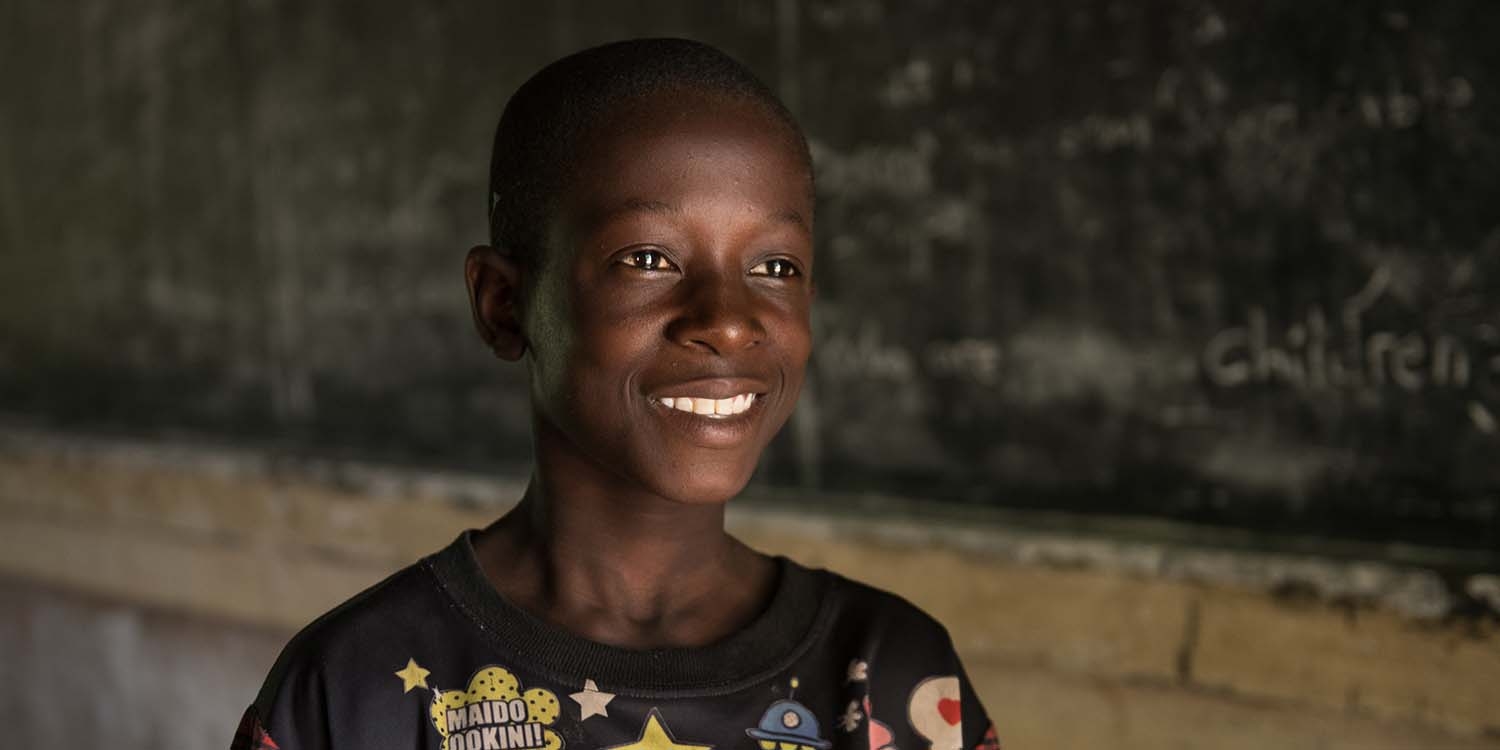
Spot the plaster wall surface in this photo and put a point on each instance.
(148, 587)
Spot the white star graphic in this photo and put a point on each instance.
(592, 702)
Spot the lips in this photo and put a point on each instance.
(712, 412)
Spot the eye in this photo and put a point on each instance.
(648, 260)
(779, 268)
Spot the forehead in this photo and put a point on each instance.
(681, 150)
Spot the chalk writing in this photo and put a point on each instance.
(1103, 134)
(894, 170)
(978, 359)
(864, 353)
(1313, 354)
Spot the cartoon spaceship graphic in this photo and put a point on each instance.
(788, 725)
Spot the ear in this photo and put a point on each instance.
(493, 277)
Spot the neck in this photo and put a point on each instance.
(637, 556)
(622, 565)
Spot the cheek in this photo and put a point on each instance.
(600, 372)
(614, 343)
(794, 340)
(550, 337)
(794, 333)
(800, 341)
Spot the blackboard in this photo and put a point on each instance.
(1231, 264)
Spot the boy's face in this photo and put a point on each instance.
(677, 281)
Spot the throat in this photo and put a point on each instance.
(665, 610)
(689, 626)
(642, 595)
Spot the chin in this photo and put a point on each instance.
(701, 492)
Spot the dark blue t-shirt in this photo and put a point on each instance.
(434, 657)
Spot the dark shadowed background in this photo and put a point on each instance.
(1233, 265)
(1176, 270)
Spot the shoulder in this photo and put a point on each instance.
(368, 622)
(901, 664)
(881, 627)
(880, 620)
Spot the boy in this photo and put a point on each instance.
(651, 263)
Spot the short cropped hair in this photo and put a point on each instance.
(537, 137)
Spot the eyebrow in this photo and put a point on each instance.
(641, 205)
(790, 216)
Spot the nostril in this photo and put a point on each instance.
(721, 335)
(705, 343)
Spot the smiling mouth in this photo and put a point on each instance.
(712, 408)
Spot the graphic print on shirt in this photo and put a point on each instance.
(859, 671)
(412, 676)
(251, 735)
(492, 713)
(788, 725)
(989, 741)
(877, 733)
(655, 735)
(936, 712)
(592, 701)
(849, 720)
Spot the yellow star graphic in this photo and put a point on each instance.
(412, 676)
(656, 736)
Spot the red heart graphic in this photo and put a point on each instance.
(951, 710)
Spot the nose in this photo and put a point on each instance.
(719, 315)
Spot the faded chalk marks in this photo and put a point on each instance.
(1236, 263)
(896, 170)
(867, 353)
(1314, 353)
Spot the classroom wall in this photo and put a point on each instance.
(1223, 263)
(148, 587)
(1156, 346)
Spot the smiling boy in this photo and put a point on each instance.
(651, 265)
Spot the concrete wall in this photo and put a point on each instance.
(149, 586)
(90, 671)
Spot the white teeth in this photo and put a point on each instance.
(721, 407)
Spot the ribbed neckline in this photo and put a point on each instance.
(767, 645)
